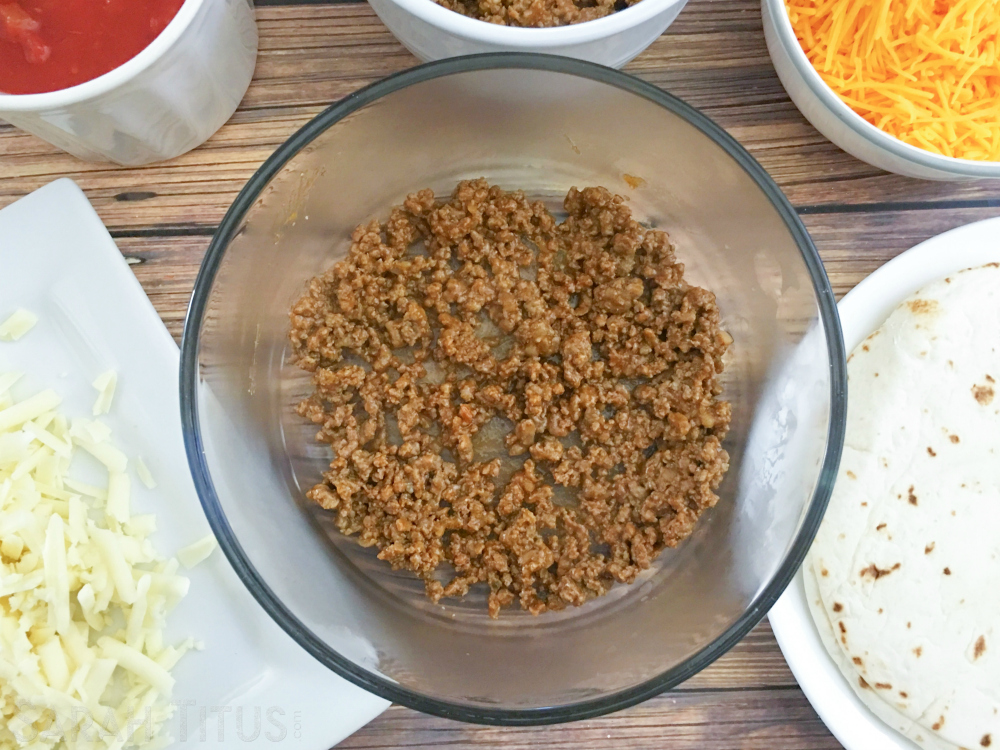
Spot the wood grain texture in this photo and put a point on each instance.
(719, 720)
(313, 53)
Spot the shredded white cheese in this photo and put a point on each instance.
(197, 552)
(17, 414)
(144, 474)
(105, 384)
(17, 325)
(7, 379)
(83, 593)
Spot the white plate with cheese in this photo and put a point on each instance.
(59, 262)
(862, 311)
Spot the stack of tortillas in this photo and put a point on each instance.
(903, 579)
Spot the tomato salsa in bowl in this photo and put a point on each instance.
(50, 45)
(172, 75)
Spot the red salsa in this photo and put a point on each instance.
(47, 45)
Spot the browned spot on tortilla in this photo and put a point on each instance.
(875, 572)
(919, 650)
(842, 626)
(864, 347)
(837, 607)
(947, 280)
(864, 683)
(929, 548)
(864, 505)
(851, 474)
(880, 527)
(922, 306)
(983, 394)
(980, 647)
(876, 374)
(824, 572)
(633, 181)
(986, 741)
(938, 724)
(909, 624)
(911, 497)
(989, 378)
(931, 451)
(857, 660)
(903, 694)
(883, 685)
(953, 438)
(947, 571)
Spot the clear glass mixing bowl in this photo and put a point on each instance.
(541, 124)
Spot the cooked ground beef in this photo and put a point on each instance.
(580, 338)
(536, 13)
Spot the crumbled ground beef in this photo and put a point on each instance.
(581, 338)
(536, 13)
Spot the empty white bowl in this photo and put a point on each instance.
(842, 125)
(432, 32)
(166, 100)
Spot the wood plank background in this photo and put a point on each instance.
(313, 53)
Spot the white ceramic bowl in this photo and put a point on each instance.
(842, 125)
(432, 32)
(163, 102)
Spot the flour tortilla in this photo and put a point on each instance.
(903, 579)
(883, 710)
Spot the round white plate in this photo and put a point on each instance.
(863, 310)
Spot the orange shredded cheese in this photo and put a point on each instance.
(924, 71)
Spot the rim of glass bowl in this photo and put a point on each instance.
(189, 372)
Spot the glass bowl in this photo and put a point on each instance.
(541, 124)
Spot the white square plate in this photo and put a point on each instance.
(58, 260)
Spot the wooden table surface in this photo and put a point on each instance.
(314, 53)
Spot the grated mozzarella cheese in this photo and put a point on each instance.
(142, 471)
(83, 593)
(197, 552)
(105, 384)
(17, 325)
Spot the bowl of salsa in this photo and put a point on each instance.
(127, 81)
(48, 45)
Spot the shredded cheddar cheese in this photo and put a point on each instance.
(924, 71)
